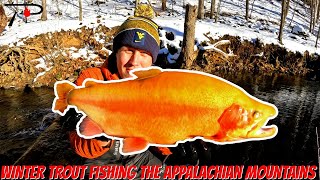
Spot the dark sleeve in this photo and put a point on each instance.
(88, 148)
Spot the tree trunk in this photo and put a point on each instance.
(317, 37)
(44, 11)
(311, 17)
(213, 7)
(164, 5)
(247, 10)
(201, 9)
(58, 8)
(137, 3)
(218, 11)
(187, 50)
(172, 6)
(287, 8)
(314, 14)
(294, 12)
(252, 8)
(3, 19)
(80, 10)
(318, 11)
(282, 22)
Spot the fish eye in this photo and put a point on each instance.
(256, 114)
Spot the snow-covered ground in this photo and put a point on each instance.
(263, 24)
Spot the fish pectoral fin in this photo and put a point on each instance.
(89, 128)
(151, 72)
(164, 150)
(133, 144)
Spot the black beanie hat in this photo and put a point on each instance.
(138, 32)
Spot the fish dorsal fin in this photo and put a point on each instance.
(89, 83)
(143, 74)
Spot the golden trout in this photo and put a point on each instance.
(163, 107)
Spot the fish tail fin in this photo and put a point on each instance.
(62, 90)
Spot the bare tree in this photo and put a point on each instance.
(287, 8)
(294, 12)
(44, 11)
(58, 8)
(315, 4)
(172, 2)
(200, 9)
(218, 11)
(164, 5)
(314, 14)
(284, 12)
(252, 7)
(317, 37)
(80, 10)
(282, 22)
(318, 14)
(213, 7)
(311, 16)
(187, 51)
(247, 10)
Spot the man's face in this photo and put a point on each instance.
(129, 58)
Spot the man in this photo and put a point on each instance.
(135, 45)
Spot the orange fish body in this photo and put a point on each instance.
(164, 107)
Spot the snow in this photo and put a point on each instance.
(42, 64)
(23, 30)
(263, 24)
(297, 29)
(83, 52)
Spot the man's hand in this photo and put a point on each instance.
(190, 153)
(70, 120)
(103, 141)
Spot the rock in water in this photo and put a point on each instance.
(3, 19)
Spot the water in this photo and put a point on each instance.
(298, 101)
(23, 116)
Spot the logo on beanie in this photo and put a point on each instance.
(139, 37)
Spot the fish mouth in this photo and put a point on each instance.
(261, 131)
(259, 128)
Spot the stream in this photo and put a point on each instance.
(22, 121)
